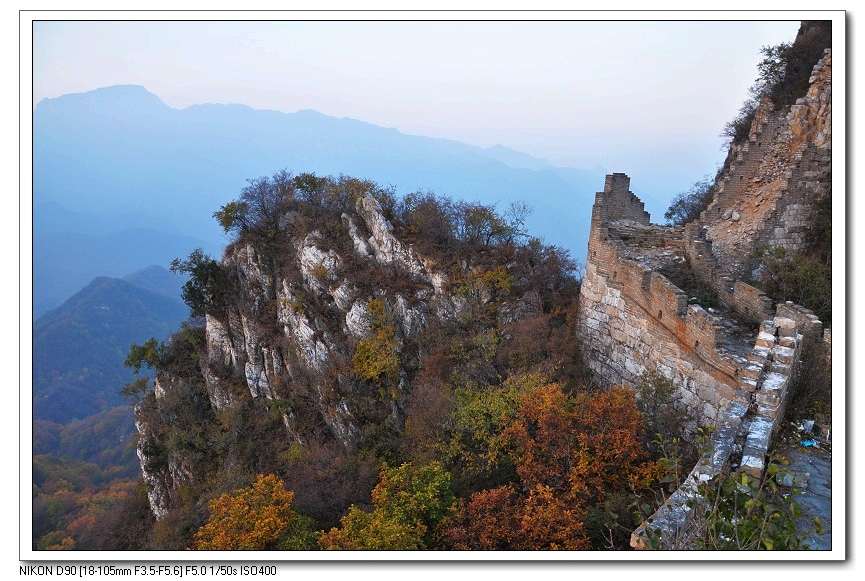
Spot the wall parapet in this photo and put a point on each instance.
(747, 301)
(775, 359)
(623, 259)
(617, 202)
(668, 527)
(806, 320)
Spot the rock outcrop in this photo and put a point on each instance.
(287, 337)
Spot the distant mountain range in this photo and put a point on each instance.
(79, 347)
(124, 184)
(122, 181)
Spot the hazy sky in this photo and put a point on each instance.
(627, 96)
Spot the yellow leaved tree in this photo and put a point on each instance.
(250, 519)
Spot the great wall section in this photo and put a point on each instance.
(734, 361)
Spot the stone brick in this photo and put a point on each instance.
(779, 367)
(753, 464)
(767, 327)
(783, 354)
(752, 371)
(760, 355)
(748, 384)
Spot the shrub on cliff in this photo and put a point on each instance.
(667, 420)
(375, 358)
(687, 206)
(409, 501)
(260, 206)
(208, 286)
(783, 76)
(255, 518)
(805, 279)
(798, 61)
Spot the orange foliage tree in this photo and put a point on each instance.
(611, 453)
(569, 452)
(249, 519)
(505, 519)
(589, 442)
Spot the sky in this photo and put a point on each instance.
(633, 96)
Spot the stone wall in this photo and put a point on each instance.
(633, 320)
(748, 302)
(741, 440)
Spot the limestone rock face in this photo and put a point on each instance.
(385, 246)
(810, 119)
(291, 329)
(163, 474)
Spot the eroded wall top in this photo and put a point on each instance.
(769, 194)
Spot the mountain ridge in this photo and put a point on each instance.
(121, 151)
(79, 347)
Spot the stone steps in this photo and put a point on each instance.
(770, 372)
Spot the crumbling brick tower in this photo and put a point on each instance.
(633, 319)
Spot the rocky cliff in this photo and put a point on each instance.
(322, 332)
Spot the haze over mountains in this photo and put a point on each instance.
(122, 181)
(79, 347)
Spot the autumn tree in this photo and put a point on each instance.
(488, 520)
(250, 519)
(505, 519)
(569, 452)
(375, 358)
(409, 501)
(611, 455)
(544, 511)
(473, 444)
